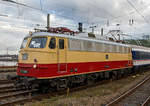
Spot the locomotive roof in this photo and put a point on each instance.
(140, 48)
(77, 37)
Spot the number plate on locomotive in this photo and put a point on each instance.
(24, 71)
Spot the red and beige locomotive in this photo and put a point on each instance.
(50, 60)
(57, 61)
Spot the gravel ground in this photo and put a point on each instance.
(138, 97)
(95, 96)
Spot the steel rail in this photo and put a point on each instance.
(10, 90)
(15, 102)
(63, 92)
(121, 97)
(6, 71)
(7, 87)
(147, 101)
(16, 94)
(5, 82)
(23, 100)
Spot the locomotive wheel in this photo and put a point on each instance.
(113, 75)
(61, 84)
(118, 74)
(90, 81)
(43, 88)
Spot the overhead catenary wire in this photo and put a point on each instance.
(41, 5)
(121, 16)
(18, 3)
(3, 15)
(46, 11)
(113, 17)
(38, 10)
(34, 8)
(18, 9)
(137, 11)
(61, 15)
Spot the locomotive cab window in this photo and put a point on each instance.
(107, 57)
(52, 44)
(61, 43)
(38, 42)
(24, 43)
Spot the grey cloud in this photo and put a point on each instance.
(69, 13)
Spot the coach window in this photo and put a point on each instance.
(52, 44)
(61, 43)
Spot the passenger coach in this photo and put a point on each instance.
(141, 56)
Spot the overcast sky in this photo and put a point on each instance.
(68, 13)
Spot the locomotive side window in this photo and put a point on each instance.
(114, 48)
(88, 46)
(74, 44)
(117, 49)
(128, 50)
(110, 48)
(107, 48)
(52, 44)
(120, 49)
(61, 43)
(98, 46)
(123, 49)
(85, 46)
(38, 42)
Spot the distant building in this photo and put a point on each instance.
(146, 37)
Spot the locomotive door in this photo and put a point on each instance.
(61, 53)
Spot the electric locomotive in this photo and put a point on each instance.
(48, 60)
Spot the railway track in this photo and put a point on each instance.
(6, 71)
(5, 82)
(11, 96)
(20, 96)
(6, 87)
(147, 102)
(139, 95)
(16, 97)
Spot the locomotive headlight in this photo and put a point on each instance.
(34, 66)
(24, 56)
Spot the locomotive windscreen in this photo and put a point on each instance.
(24, 43)
(38, 42)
